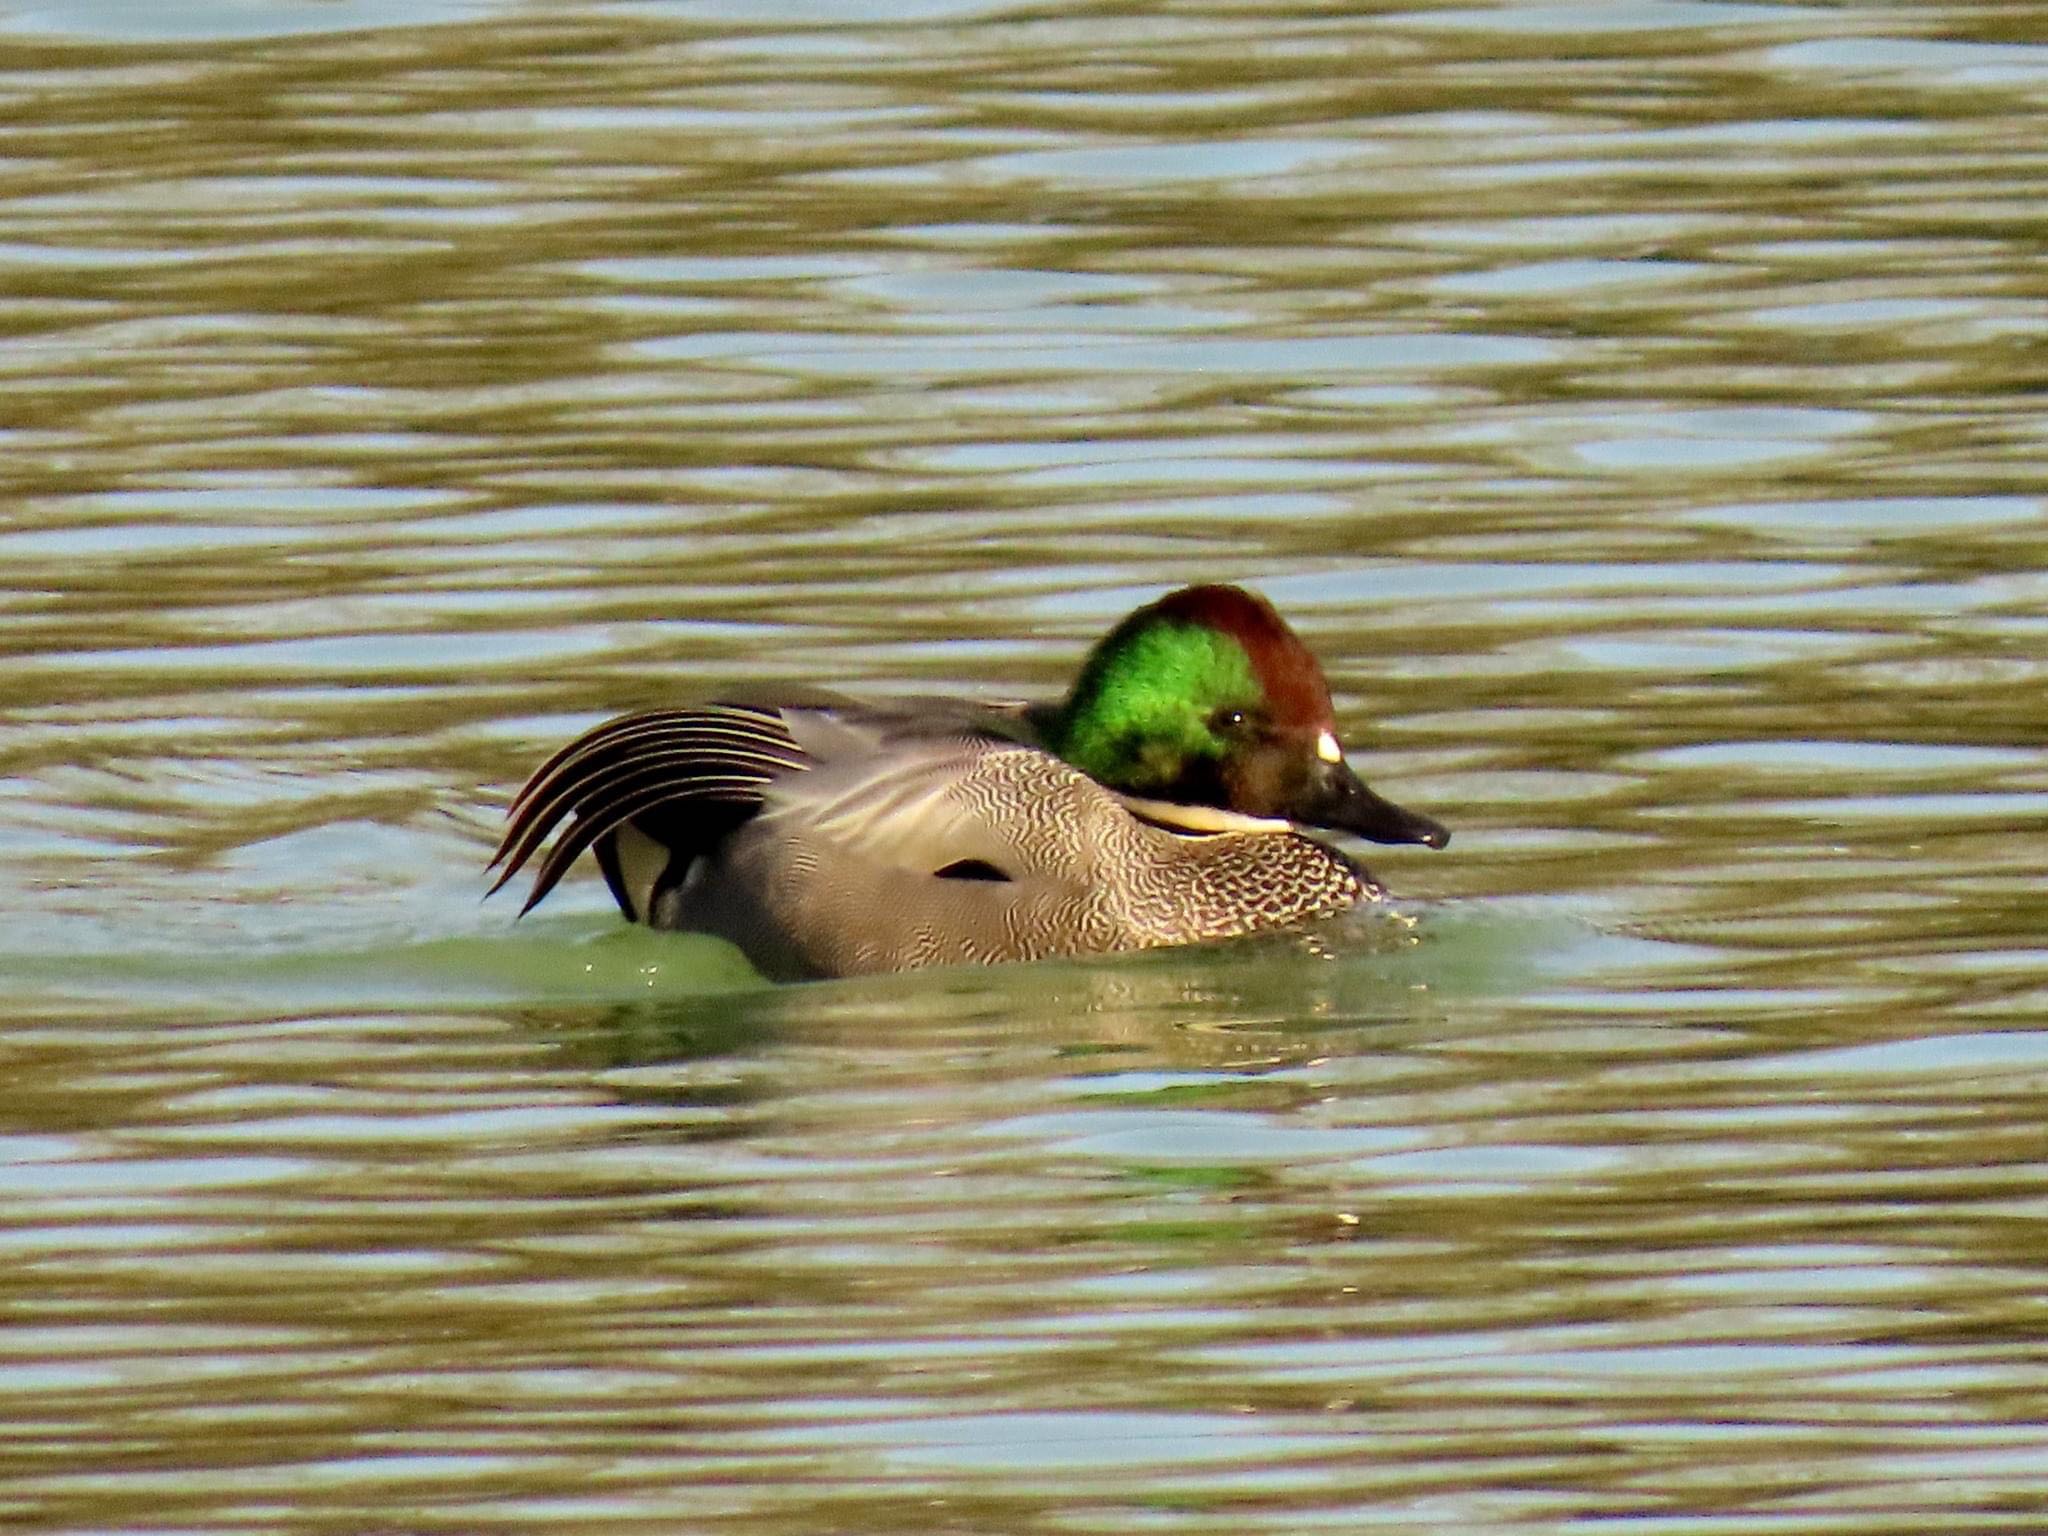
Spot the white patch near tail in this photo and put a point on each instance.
(642, 863)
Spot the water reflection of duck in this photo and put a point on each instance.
(1157, 804)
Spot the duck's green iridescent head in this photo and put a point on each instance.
(1207, 698)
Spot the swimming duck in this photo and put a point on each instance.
(1156, 804)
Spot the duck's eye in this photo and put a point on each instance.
(1227, 721)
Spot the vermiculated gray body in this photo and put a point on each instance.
(803, 895)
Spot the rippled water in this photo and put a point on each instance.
(1637, 404)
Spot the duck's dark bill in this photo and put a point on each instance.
(1342, 802)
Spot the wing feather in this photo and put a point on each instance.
(716, 754)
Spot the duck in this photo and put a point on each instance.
(1170, 798)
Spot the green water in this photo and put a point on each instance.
(1637, 406)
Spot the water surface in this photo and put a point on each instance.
(1637, 405)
